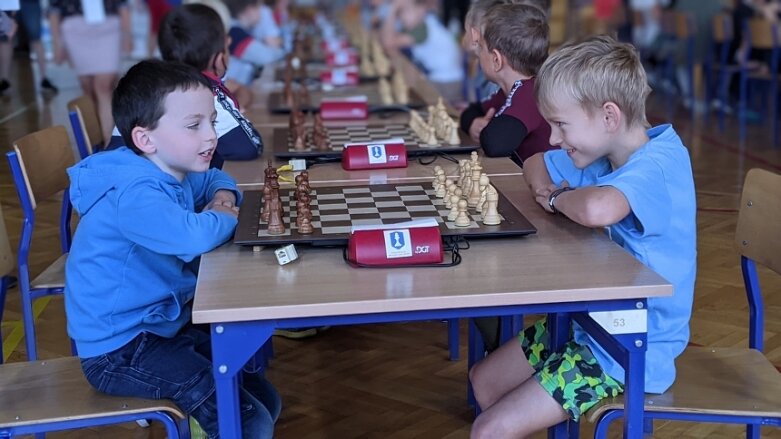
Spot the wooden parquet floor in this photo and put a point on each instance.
(394, 380)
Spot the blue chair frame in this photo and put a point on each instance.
(28, 294)
(750, 255)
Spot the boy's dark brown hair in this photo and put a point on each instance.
(520, 33)
(192, 34)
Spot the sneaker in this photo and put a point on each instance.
(296, 333)
(47, 86)
(4, 85)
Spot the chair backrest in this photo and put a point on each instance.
(762, 34)
(758, 234)
(38, 167)
(87, 124)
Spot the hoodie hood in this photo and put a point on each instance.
(100, 173)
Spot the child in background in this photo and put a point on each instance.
(248, 55)
(611, 172)
(431, 46)
(147, 212)
(512, 45)
(194, 34)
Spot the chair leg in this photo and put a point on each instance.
(28, 320)
(452, 339)
(752, 431)
(4, 281)
(648, 426)
(184, 428)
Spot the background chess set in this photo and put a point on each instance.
(338, 136)
(336, 209)
(313, 71)
(278, 104)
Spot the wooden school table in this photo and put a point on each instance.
(564, 269)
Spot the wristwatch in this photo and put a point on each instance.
(556, 193)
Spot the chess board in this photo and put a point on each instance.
(336, 209)
(338, 136)
(278, 105)
(313, 71)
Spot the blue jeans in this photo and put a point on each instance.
(180, 369)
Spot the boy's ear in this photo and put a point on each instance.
(612, 116)
(142, 140)
(497, 60)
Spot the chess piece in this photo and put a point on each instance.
(449, 191)
(437, 172)
(276, 226)
(483, 182)
(453, 207)
(462, 219)
(302, 204)
(431, 137)
(440, 189)
(386, 97)
(264, 213)
(491, 216)
(306, 226)
(474, 158)
(299, 144)
(474, 189)
(400, 88)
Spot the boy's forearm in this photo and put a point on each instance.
(536, 173)
(593, 206)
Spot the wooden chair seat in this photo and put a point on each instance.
(53, 276)
(56, 390)
(718, 381)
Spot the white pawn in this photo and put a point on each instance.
(458, 192)
(491, 216)
(484, 182)
(450, 189)
(454, 199)
(462, 220)
(453, 137)
(431, 137)
(440, 189)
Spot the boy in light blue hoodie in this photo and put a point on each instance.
(147, 213)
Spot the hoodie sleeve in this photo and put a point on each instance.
(206, 184)
(243, 46)
(153, 218)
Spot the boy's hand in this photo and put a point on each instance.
(541, 195)
(479, 123)
(224, 201)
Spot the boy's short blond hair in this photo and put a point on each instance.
(520, 33)
(594, 72)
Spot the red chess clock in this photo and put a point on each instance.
(350, 108)
(334, 45)
(415, 242)
(340, 76)
(342, 57)
(389, 153)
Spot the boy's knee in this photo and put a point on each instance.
(478, 384)
(485, 428)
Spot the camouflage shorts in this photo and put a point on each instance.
(572, 376)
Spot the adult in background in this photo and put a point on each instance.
(28, 18)
(92, 35)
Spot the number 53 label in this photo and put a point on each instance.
(622, 322)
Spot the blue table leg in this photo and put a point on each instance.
(232, 346)
(629, 350)
(559, 329)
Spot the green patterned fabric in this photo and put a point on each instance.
(572, 376)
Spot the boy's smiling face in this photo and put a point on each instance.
(579, 132)
(184, 139)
